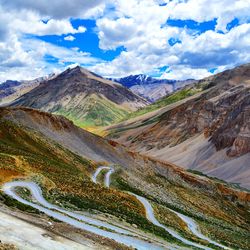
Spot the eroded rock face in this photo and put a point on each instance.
(241, 144)
(225, 119)
(222, 114)
(208, 132)
(232, 129)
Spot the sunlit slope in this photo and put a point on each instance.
(169, 99)
(93, 111)
(25, 153)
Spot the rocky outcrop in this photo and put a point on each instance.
(225, 119)
(230, 127)
(221, 114)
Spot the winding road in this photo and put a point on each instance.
(107, 175)
(77, 220)
(120, 234)
(191, 224)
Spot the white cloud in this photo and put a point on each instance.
(69, 38)
(28, 22)
(182, 73)
(212, 49)
(205, 10)
(139, 26)
(29, 54)
(38, 27)
(12, 54)
(20, 53)
(133, 22)
(113, 33)
(56, 9)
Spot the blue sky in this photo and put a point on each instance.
(87, 41)
(166, 39)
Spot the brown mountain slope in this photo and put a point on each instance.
(83, 97)
(209, 132)
(59, 156)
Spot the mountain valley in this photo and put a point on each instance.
(206, 132)
(124, 125)
(202, 127)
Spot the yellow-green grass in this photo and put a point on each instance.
(96, 111)
(172, 98)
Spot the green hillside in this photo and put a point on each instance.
(175, 97)
(63, 176)
(95, 111)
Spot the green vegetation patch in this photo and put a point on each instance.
(175, 97)
(65, 177)
(10, 202)
(95, 112)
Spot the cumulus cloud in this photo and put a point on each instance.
(12, 54)
(28, 22)
(19, 53)
(69, 38)
(140, 26)
(113, 33)
(31, 54)
(51, 27)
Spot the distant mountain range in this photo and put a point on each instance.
(145, 86)
(11, 90)
(84, 97)
(151, 88)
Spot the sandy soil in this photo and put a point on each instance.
(27, 236)
(200, 154)
(28, 232)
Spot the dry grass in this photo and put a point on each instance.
(7, 246)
